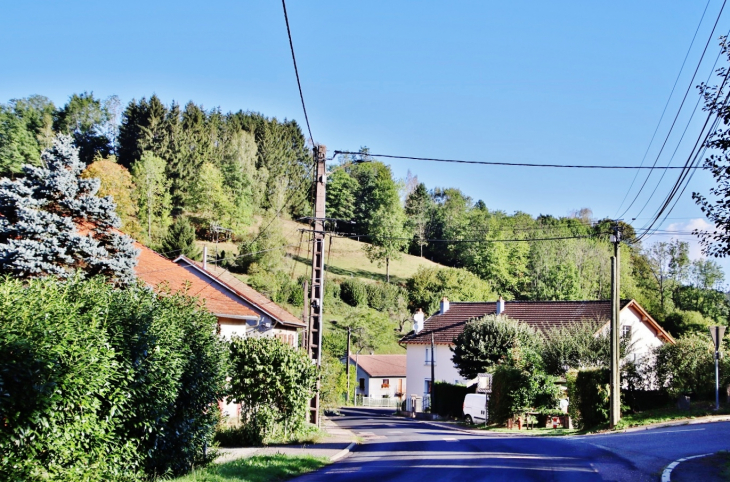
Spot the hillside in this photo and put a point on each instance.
(345, 257)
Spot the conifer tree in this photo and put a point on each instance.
(42, 214)
(180, 240)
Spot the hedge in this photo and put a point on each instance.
(104, 384)
(588, 395)
(354, 292)
(449, 398)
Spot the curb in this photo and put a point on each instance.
(342, 452)
(667, 474)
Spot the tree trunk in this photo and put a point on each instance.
(387, 270)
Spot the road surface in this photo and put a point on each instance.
(396, 449)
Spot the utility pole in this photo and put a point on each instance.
(317, 287)
(433, 379)
(615, 398)
(347, 367)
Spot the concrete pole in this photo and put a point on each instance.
(615, 396)
(347, 367)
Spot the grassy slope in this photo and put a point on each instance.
(345, 257)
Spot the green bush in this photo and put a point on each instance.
(516, 390)
(354, 292)
(588, 394)
(274, 383)
(104, 384)
(429, 285)
(688, 367)
(449, 399)
(383, 297)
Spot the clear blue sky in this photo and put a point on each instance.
(547, 82)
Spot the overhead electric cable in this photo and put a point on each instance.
(679, 74)
(689, 87)
(512, 164)
(296, 71)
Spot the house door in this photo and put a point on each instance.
(399, 386)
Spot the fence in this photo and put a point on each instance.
(362, 401)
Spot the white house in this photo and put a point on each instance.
(446, 324)
(380, 376)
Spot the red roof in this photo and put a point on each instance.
(162, 274)
(243, 290)
(382, 365)
(541, 315)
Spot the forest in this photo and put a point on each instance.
(181, 173)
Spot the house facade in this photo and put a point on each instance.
(447, 323)
(380, 376)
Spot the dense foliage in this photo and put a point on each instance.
(42, 213)
(273, 382)
(588, 392)
(489, 341)
(104, 384)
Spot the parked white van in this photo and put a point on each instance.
(475, 407)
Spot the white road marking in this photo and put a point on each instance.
(451, 439)
(667, 474)
(395, 431)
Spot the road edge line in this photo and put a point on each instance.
(342, 452)
(667, 473)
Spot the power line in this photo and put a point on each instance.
(689, 87)
(296, 70)
(526, 240)
(679, 74)
(511, 164)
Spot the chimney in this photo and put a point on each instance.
(500, 306)
(444, 305)
(418, 321)
(205, 258)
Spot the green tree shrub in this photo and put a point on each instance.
(588, 394)
(104, 384)
(429, 285)
(489, 341)
(354, 292)
(180, 240)
(517, 389)
(688, 367)
(273, 382)
(449, 399)
(384, 297)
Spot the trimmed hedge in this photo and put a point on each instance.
(449, 398)
(588, 394)
(104, 384)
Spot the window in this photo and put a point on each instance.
(427, 386)
(428, 356)
(362, 384)
(626, 331)
(386, 383)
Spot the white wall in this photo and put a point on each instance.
(643, 336)
(418, 369)
(374, 385)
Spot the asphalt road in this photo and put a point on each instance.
(396, 449)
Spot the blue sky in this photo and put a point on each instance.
(544, 82)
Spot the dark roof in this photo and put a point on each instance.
(541, 315)
(382, 365)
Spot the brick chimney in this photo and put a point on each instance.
(500, 305)
(444, 305)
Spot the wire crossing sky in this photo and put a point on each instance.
(565, 82)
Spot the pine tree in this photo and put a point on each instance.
(180, 240)
(41, 216)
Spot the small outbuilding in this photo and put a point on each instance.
(380, 376)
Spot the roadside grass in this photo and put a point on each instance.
(260, 468)
(670, 413)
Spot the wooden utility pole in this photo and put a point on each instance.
(317, 287)
(614, 333)
(347, 367)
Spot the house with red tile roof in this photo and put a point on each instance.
(380, 376)
(447, 323)
(240, 309)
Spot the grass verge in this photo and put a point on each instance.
(260, 468)
(668, 414)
